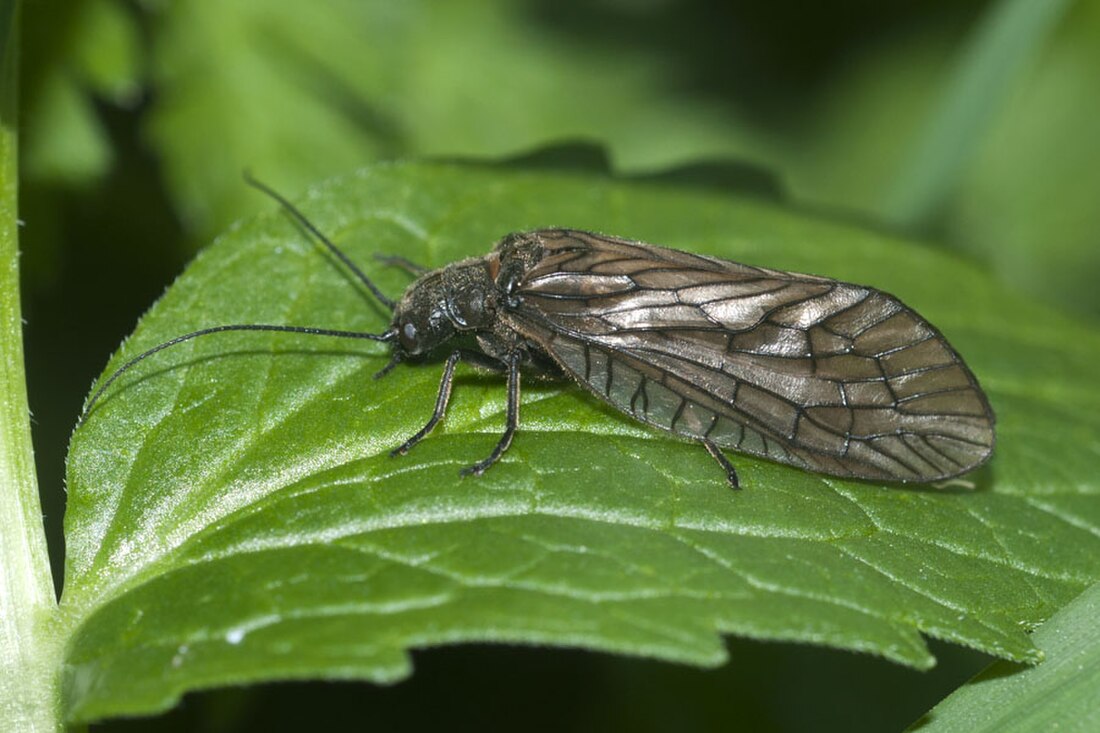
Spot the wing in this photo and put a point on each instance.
(826, 375)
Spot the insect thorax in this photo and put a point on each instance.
(465, 296)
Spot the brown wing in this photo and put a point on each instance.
(829, 376)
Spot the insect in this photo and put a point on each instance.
(828, 376)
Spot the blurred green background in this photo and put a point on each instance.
(970, 124)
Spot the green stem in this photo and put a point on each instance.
(29, 699)
(1008, 37)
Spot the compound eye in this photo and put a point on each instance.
(409, 336)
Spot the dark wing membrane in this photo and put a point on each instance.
(805, 370)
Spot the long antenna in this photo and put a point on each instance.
(301, 218)
(389, 335)
(386, 336)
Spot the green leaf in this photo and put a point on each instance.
(107, 50)
(1027, 202)
(66, 141)
(365, 79)
(1021, 197)
(82, 54)
(1007, 37)
(1062, 693)
(234, 515)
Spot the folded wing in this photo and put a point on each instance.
(829, 376)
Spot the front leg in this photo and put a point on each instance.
(441, 401)
(444, 397)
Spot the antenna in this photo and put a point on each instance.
(301, 218)
(387, 336)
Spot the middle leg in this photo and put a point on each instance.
(511, 423)
(716, 453)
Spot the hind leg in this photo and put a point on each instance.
(716, 453)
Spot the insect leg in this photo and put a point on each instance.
(398, 261)
(511, 424)
(716, 453)
(395, 359)
(441, 401)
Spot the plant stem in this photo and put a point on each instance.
(29, 699)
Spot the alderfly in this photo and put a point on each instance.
(824, 375)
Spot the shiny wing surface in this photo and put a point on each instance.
(830, 376)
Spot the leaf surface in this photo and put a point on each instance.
(371, 78)
(1062, 693)
(234, 514)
